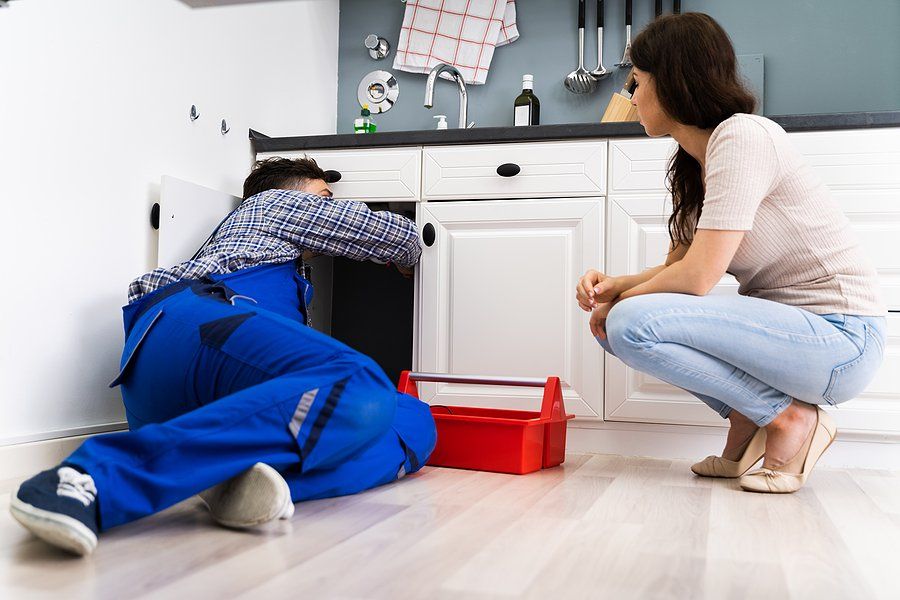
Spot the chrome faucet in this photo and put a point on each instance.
(463, 97)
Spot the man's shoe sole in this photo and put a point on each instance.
(54, 528)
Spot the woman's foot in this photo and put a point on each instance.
(743, 449)
(60, 507)
(787, 434)
(780, 475)
(739, 434)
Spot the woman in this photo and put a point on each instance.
(808, 325)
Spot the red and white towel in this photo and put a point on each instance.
(462, 33)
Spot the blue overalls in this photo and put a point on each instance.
(222, 373)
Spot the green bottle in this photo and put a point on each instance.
(527, 107)
(364, 123)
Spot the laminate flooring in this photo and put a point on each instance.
(599, 526)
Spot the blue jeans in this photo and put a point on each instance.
(746, 354)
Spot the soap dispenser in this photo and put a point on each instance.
(442, 123)
(364, 123)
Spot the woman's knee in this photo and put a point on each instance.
(624, 324)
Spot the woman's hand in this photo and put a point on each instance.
(595, 288)
(598, 320)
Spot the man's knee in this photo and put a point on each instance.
(374, 397)
(415, 426)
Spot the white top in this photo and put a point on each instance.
(799, 248)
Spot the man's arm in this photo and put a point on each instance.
(341, 228)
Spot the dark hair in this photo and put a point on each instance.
(694, 70)
(280, 173)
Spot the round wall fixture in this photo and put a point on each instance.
(378, 89)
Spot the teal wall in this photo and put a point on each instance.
(821, 56)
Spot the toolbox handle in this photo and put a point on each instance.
(552, 407)
(485, 379)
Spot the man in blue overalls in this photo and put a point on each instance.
(228, 392)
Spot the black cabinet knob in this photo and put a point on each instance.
(332, 176)
(428, 234)
(508, 170)
(154, 216)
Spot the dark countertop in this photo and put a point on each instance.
(570, 131)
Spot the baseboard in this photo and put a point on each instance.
(861, 450)
(852, 449)
(18, 461)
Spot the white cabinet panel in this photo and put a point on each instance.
(497, 297)
(373, 174)
(638, 239)
(548, 170)
(639, 166)
(857, 159)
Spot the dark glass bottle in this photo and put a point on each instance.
(527, 107)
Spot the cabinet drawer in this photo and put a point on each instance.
(548, 170)
(853, 160)
(639, 166)
(371, 174)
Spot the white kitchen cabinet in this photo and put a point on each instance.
(496, 296)
(637, 239)
(862, 170)
(547, 170)
(369, 174)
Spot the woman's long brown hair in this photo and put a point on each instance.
(694, 68)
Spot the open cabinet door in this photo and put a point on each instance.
(188, 213)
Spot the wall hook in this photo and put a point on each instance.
(195, 114)
(225, 127)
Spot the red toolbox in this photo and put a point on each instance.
(493, 439)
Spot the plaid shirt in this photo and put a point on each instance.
(278, 225)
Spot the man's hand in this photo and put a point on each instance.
(595, 288)
(598, 320)
(405, 271)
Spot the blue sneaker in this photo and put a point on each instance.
(60, 507)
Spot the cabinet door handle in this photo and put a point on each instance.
(508, 170)
(332, 176)
(428, 235)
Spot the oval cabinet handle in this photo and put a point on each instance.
(332, 176)
(508, 170)
(428, 235)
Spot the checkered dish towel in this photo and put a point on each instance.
(462, 33)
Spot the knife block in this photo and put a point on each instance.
(619, 109)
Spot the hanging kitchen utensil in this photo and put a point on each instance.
(580, 81)
(600, 72)
(626, 56)
(378, 89)
(677, 7)
(657, 10)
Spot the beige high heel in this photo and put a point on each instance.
(784, 480)
(716, 466)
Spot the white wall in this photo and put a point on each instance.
(94, 103)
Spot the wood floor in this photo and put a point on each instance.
(597, 527)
